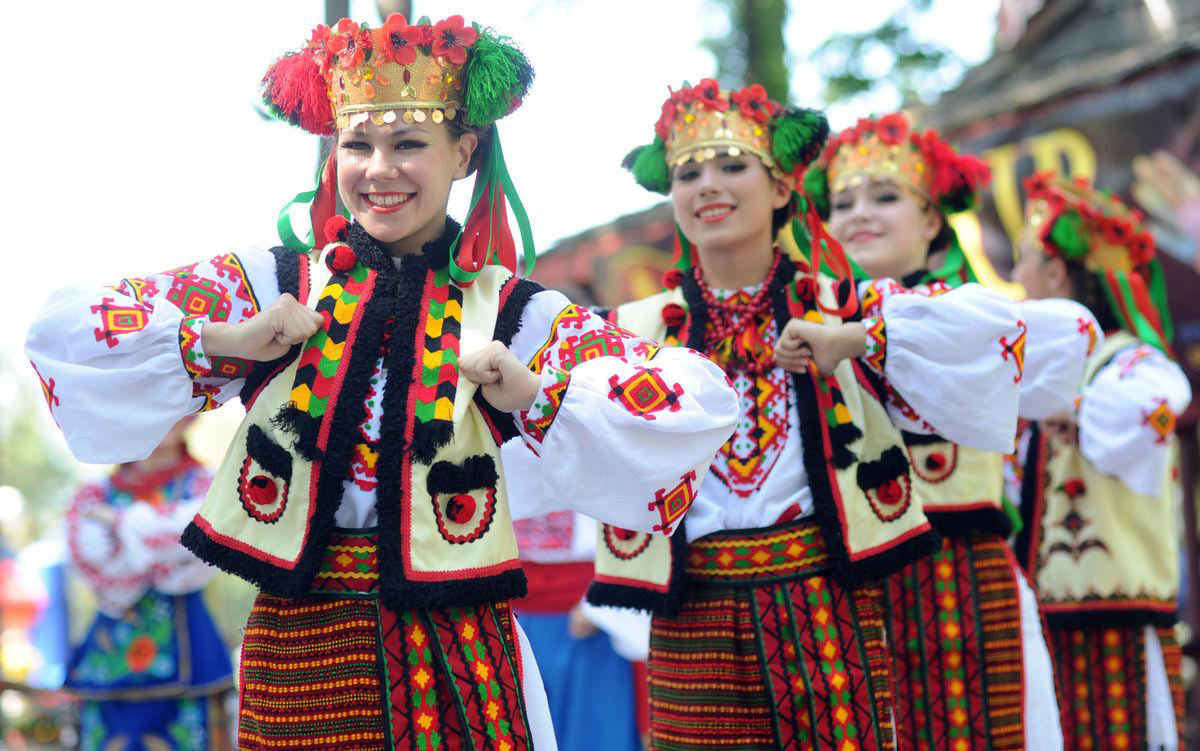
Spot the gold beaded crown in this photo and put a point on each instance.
(349, 74)
(888, 147)
(702, 122)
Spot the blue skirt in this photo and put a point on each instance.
(589, 686)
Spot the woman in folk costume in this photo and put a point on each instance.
(1099, 495)
(767, 630)
(152, 670)
(592, 660)
(971, 660)
(365, 493)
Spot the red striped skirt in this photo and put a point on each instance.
(768, 652)
(954, 619)
(1100, 674)
(340, 670)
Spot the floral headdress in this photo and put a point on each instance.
(349, 74)
(1077, 222)
(702, 122)
(889, 147)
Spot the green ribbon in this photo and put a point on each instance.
(1121, 299)
(493, 173)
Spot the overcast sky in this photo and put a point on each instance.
(134, 144)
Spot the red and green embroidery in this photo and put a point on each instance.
(876, 355)
(540, 415)
(673, 504)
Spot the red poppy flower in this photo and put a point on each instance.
(684, 96)
(318, 45)
(451, 39)
(892, 129)
(708, 93)
(672, 278)
(666, 119)
(347, 44)
(400, 40)
(674, 314)
(1117, 231)
(141, 653)
(1037, 184)
(753, 103)
(1141, 249)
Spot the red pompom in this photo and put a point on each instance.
(674, 314)
(335, 228)
(341, 259)
(672, 278)
(806, 288)
(295, 90)
(461, 508)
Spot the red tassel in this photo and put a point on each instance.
(324, 205)
(294, 87)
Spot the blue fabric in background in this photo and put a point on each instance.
(589, 686)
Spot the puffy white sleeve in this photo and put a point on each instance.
(951, 359)
(1128, 414)
(124, 551)
(622, 430)
(120, 365)
(1062, 334)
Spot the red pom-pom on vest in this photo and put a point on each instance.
(341, 259)
(674, 314)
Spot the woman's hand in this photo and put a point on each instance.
(803, 343)
(506, 383)
(266, 336)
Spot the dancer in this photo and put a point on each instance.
(971, 659)
(1098, 494)
(364, 493)
(767, 629)
(152, 670)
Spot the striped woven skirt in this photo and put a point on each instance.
(954, 618)
(768, 652)
(1117, 691)
(340, 670)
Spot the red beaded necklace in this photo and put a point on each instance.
(734, 329)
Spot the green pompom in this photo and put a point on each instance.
(498, 74)
(649, 166)
(797, 136)
(816, 187)
(1068, 235)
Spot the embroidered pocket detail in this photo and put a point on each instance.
(464, 497)
(625, 544)
(265, 477)
(886, 484)
(934, 462)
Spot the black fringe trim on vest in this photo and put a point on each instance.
(1026, 543)
(970, 522)
(1101, 618)
(637, 598)
(508, 321)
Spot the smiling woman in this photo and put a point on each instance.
(366, 492)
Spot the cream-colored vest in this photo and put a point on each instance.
(869, 533)
(959, 487)
(263, 500)
(1104, 548)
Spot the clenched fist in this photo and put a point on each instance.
(805, 342)
(506, 383)
(266, 336)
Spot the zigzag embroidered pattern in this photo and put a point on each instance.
(439, 350)
(795, 551)
(318, 368)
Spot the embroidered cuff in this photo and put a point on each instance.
(194, 359)
(876, 356)
(540, 415)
